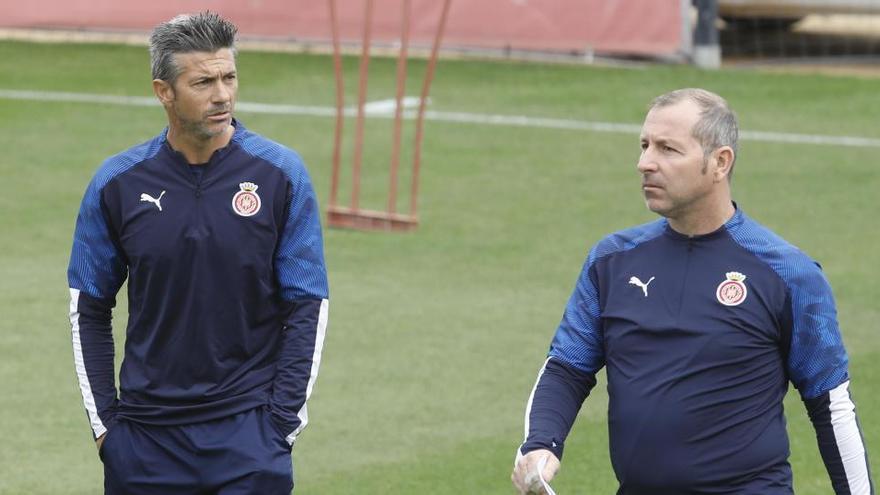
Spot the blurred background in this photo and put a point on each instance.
(821, 31)
(528, 153)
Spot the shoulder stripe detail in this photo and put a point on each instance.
(300, 255)
(79, 363)
(626, 239)
(118, 164)
(95, 266)
(277, 154)
(817, 361)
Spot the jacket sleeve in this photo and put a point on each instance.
(568, 374)
(840, 439)
(96, 272)
(302, 276)
(818, 367)
(553, 406)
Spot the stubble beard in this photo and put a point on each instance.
(198, 129)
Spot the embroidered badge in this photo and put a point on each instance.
(246, 202)
(732, 292)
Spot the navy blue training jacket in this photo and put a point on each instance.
(227, 287)
(700, 337)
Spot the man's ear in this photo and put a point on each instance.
(724, 158)
(164, 91)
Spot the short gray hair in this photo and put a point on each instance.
(202, 32)
(717, 125)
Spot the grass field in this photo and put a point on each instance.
(435, 337)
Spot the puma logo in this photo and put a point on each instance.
(635, 281)
(156, 201)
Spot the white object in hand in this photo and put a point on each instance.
(541, 465)
(535, 480)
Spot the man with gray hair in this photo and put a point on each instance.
(701, 319)
(217, 231)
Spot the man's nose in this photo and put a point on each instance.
(221, 93)
(646, 162)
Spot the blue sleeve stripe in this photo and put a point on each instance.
(300, 256)
(578, 339)
(817, 360)
(96, 267)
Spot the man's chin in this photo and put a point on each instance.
(219, 125)
(657, 207)
(213, 129)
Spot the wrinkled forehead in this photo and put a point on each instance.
(205, 63)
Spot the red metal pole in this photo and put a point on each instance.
(362, 99)
(398, 111)
(340, 104)
(426, 86)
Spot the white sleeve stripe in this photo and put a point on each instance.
(529, 410)
(79, 363)
(303, 413)
(849, 440)
(531, 398)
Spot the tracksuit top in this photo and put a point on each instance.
(227, 287)
(700, 337)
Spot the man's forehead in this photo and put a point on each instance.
(662, 137)
(210, 62)
(671, 122)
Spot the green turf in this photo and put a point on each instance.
(435, 337)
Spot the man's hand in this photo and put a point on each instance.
(525, 475)
(100, 441)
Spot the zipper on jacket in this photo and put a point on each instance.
(684, 277)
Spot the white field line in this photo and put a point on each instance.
(388, 106)
(460, 117)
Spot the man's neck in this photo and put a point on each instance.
(703, 221)
(196, 150)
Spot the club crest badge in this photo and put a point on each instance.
(246, 202)
(732, 292)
